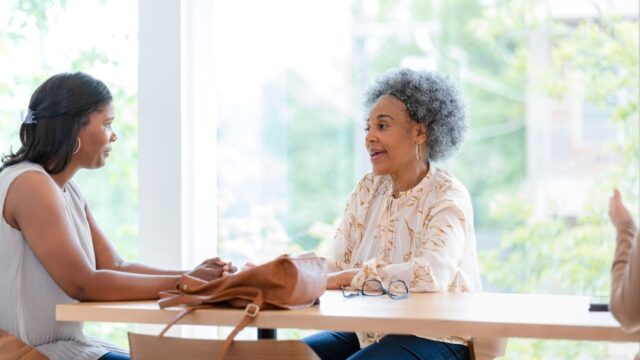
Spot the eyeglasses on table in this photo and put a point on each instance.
(397, 290)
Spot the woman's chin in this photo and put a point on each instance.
(379, 171)
(98, 164)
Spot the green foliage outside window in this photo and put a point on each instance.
(573, 256)
(486, 47)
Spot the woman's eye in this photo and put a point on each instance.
(382, 126)
(367, 128)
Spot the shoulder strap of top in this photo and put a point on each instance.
(75, 190)
(8, 175)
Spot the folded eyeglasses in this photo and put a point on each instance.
(397, 290)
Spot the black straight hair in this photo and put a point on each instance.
(59, 109)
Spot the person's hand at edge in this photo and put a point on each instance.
(618, 213)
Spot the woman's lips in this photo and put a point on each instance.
(377, 155)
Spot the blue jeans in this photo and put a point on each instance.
(343, 345)
(114, 356)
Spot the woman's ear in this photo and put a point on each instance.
(421, 133)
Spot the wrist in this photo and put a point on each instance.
(625, 225)
(348, 275)
(176, 281)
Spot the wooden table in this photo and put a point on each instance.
(435, 314)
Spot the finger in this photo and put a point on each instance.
(216, 261)
(614, 200)
(216, 274)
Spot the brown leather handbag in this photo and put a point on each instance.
(12, 348)
(287, 282)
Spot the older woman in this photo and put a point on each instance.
(408, 220)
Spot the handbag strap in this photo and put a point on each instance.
(188, 310)
(175, 298)
(169, 299)
(250, 312)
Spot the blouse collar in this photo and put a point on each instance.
(414, 190)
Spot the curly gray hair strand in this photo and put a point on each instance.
(431, 99)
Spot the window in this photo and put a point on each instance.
(553, 127)
(288, 125)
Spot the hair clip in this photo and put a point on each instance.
(28, 117)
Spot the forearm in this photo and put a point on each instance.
(625, 280)
(432, 268)
(109, 285)
(418, 274)
(136, 268)
(334, 265)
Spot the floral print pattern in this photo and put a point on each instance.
(424, 237)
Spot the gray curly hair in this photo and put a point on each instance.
(431, 99)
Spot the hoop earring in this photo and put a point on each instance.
(418, 152)
(79, 145)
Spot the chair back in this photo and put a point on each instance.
(151, 347)
(487, 348)
(12, 348)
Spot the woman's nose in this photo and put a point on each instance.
(114, 137)
(370, 137)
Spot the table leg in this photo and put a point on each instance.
(270, 334)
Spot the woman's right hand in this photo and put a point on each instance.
(341, 278)
(212, 269)
(618, 213)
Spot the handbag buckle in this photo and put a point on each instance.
(252, 310)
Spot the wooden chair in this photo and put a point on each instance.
(148, 347)
(12, 348)
(487, 348)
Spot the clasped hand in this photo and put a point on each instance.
(216, 268)
(212, 269)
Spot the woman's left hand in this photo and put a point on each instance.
(341, 278)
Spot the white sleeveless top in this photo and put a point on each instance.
(29, 295)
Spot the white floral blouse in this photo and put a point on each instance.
(424, 237)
